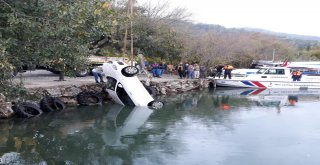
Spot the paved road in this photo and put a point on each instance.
(43, 78)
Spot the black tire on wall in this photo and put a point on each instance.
(89, 98)
(49, 104)
(27, 110)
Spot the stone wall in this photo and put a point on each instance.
(68, 93)
(5, 107)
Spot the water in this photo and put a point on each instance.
(227, 127)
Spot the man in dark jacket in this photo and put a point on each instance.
(219, 70)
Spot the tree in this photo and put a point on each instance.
(55, 34)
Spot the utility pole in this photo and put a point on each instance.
(131, 17)
(274, 52)
(126, 32)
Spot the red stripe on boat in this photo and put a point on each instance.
(258, 84)
(257, 91)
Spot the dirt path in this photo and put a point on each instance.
(45, 79)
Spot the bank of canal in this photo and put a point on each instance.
(69, 90)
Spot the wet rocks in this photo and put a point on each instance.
(5, 107)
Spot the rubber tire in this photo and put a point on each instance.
(151, 90)
(156, 104)
(82, 72)
(84, 98)
(27, 110)
(127, 74)
(49, 104)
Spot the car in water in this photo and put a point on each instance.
(124, 87)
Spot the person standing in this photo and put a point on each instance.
(296, 75)
(196, 71)
(203, 71)
(190, 71)
(219, 70)
(180, 70)
(227, 71)
(185, 68)
(97, 73)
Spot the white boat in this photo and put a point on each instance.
(271, 77)
(271, 97)
(265, 92)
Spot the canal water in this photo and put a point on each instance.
(211, 127)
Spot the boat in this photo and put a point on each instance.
(271, 77)
(311, 68)
(265, 92)
(270, 97)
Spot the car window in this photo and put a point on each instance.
(111, 83)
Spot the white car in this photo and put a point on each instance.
(124, 86)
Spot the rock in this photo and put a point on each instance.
(163, 91)
(54, 92)
(70, 101)
(5, 107)
(70, 91)
(2, 98)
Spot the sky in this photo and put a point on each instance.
(288, 16)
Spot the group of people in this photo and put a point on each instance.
(184, 70)
(227, 71)
(191, 71)
(158, 69)
(296, 75)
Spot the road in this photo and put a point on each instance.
(45, 79)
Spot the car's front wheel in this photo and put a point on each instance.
(156, 104)
(129, 71)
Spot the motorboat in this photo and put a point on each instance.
(270, 97)
(124, 87)
(265, 91)
(271, 77)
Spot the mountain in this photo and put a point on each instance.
(285, 35)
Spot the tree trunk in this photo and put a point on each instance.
(61, 76)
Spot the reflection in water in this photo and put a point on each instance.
(209, 127)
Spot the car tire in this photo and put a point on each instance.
(49, 104)
(89, 98)
(27, 110)
(129, 71)
(156, 104)
(82, 72)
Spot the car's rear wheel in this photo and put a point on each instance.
(82, 72)
(129, 71)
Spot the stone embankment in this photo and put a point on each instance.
(68, 91)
